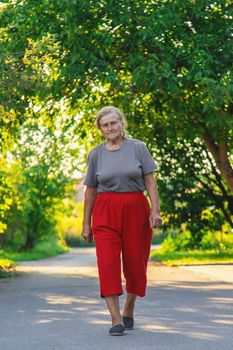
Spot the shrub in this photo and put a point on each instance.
(69, 222)
(218, 241)
(177, 241)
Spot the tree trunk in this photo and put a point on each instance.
(219, 152)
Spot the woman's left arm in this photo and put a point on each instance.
(151, 187)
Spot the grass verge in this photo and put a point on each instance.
(9, 258)
(7, 266)
(194, 257)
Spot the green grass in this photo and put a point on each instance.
(9, 258)
(42, 250)
(192, 257)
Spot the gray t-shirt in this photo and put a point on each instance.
(119, 170)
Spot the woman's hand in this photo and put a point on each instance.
(87, 234)
(151, 186)
(155, 219)
(90, 196)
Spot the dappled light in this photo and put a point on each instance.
(222, 300)
(163, 329)
(180, 306)
(227, 322)
(167, 65)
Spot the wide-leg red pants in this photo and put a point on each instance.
(120, 225)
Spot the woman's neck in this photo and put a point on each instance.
(114, 144)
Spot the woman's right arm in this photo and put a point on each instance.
(89, 200)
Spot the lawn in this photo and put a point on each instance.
(9, 258)
(193, 257)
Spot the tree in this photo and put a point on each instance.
(178, 52)
(168, 64)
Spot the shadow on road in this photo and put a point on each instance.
(60, 311)
(55, 304)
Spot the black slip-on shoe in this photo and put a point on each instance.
(118, 329)
(128, 322)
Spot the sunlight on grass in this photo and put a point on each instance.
(9, 258)
(192, 257)
(41, 250)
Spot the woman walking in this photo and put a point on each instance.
(118, 215)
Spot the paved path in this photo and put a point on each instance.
(54, 304)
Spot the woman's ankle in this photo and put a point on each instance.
(117, 320)
(128, 310)
(129, 305)
(128, 314)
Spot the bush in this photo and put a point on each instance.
(176, 241)
(43, 249)
(69, 222)
(218, 241)
(183, 240)
(51, 247)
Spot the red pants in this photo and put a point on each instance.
(120, 225)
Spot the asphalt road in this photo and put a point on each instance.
(54, 304)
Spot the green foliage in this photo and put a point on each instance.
(32, 219)
(69, 219)
(44, 249)
(167, 64)
(189, 178)
(38, 174)
(176, 242)
(8, 178)
(185, 241)
(218, 241)
(7, 266)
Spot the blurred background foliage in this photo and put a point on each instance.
(166, 64)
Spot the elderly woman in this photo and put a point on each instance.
(119, 170)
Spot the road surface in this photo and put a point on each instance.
(54, 304)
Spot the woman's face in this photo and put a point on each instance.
(111, 127)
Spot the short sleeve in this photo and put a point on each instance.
(90, 177)
(147, 162)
